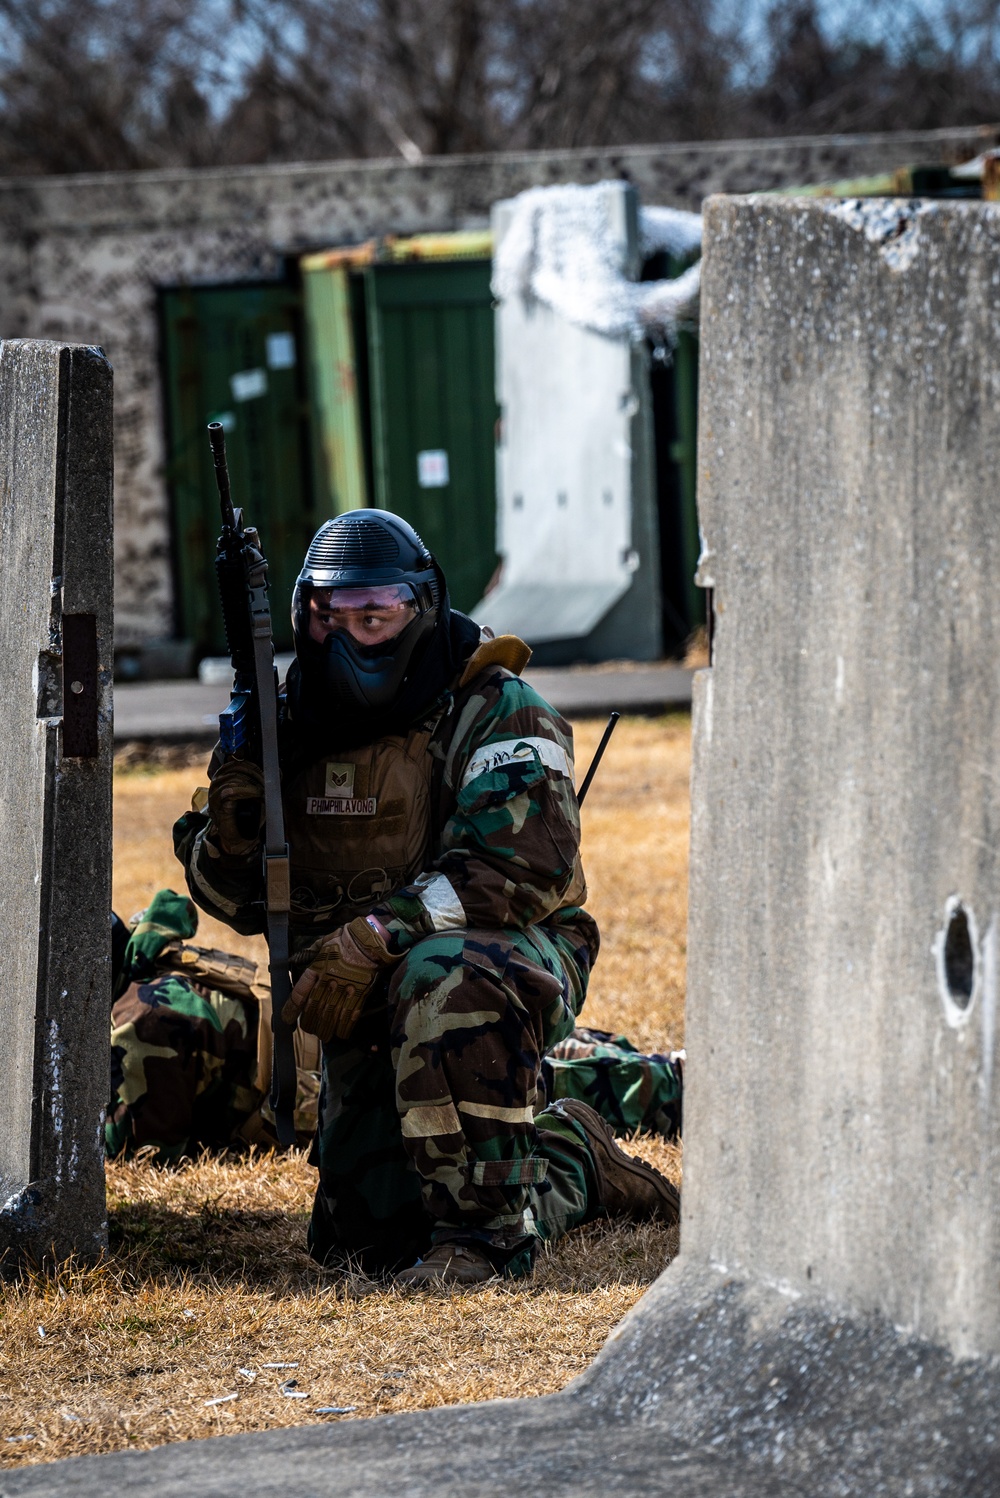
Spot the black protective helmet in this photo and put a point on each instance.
(358, 550)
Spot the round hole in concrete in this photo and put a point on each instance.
(959, 958)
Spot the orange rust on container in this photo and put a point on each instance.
(348, 256)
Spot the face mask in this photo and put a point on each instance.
(351, 676)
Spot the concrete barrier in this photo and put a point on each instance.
(845, 884)
(55, 795)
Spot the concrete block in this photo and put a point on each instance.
(55, 794)
(843, 1114)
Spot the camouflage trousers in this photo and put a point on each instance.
(428, 1129)
(628, 1089)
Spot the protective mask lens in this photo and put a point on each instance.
(372, 616)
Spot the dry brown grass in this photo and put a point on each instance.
(150, 794)
(208, 1280)
(635, 844)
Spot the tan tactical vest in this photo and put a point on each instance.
(358, 822)
(358, 826)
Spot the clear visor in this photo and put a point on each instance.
(371, 615)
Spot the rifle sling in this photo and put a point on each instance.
(276, 872)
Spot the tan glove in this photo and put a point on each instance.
(328, 998)
(236, 806)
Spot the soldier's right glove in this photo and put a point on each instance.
(328, 998)
(236, 806)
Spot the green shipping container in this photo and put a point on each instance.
(402, 370)
(434, 411)
(334, 311)
(231, 354)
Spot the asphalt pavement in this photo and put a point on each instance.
(188, 711)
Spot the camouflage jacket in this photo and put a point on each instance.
(505, 823)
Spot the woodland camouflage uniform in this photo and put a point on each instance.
(187, 1072)
(453, 835)
(628, 1089)
(427, 1124)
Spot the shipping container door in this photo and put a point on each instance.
(430, 334)
(334, 315)
(231, 354)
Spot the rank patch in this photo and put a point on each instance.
(340, 780)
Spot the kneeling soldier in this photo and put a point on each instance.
(440, 944)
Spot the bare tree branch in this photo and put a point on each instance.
(91, 85)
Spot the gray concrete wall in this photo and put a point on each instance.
(843, 1116)
(56, 631)
(81, 257)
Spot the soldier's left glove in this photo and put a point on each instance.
(236, 806)
(328, 998)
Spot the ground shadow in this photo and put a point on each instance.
(266, 1249)
(261, 1248)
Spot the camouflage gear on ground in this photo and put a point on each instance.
(427, 1117)
(169, 918)
(183, 1059)
(184, 1045)
(628, 1089)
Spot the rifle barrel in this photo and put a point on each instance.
(217, 439)
(585, 787)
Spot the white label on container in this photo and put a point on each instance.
(248, 384)
(432, 468)
(281, 351)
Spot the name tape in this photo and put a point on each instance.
(341, 806)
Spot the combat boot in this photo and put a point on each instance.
(451, 1264)
(626, 1187)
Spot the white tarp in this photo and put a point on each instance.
(561, 250)
(575, 522)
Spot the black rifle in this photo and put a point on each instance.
(250, 724)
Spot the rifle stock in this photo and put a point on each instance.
(250, 724)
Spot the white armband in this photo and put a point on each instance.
(438, 897)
